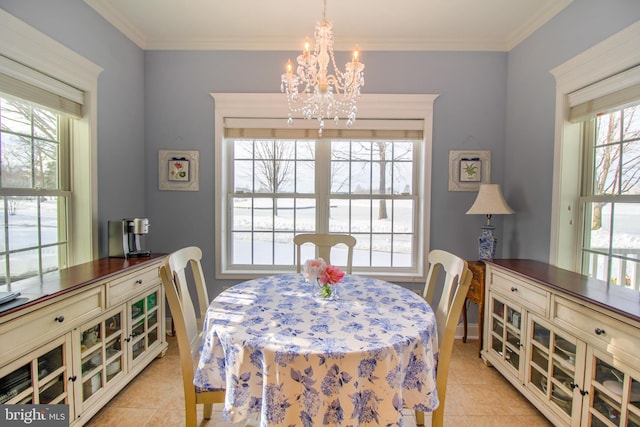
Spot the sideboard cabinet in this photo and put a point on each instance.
(567, 342)
(83, 335)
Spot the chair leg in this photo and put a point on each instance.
(419, 418)
(207, 410)
(437, 417)
(191, 416)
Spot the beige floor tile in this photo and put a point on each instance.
(122, 417)
(167, 418)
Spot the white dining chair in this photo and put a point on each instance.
(455, 285)
(174, 271)
(324, 243)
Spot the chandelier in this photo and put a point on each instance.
(316, 93)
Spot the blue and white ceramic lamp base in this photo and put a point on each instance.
(487, 243)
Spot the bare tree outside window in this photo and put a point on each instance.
(34, 238)
(273, 164)
(386, 156)
(29, 160)
(616, 157)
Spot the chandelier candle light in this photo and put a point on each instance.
(316, 93)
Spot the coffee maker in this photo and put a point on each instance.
(124, 237)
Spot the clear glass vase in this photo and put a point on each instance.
(327, 292)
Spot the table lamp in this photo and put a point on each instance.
(489, 202)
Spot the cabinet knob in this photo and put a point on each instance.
(127, 339)
(514, 289)
(599, 331)
(573, 385)
(73, 378)
(139, 282)
(59, 319)
(584, 392)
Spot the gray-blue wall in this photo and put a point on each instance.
(503, 102)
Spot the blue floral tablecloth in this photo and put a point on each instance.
(281, 351)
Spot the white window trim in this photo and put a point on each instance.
(610, 57)
(28, 46)
(370, 106)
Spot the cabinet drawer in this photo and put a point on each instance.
(31, 330)
(125, 287)
(531, 297)
(604, 332)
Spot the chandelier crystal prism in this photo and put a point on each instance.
(316, 93)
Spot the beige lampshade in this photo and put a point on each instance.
(490, 201)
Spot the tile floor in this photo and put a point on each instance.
(476, 396)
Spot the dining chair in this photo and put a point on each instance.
(174, 271)
(455, 285)
(324, 243)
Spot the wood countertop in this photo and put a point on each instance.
(617, 299)
(36, 290)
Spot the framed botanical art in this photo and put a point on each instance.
(178, 170)
(469, 169)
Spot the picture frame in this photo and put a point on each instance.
(178, 170)
(469, 169)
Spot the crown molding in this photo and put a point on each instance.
(148, 42)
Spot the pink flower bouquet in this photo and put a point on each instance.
(326, 276)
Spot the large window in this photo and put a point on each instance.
(34, 186)
(45, 154)
(371, 181)
(282, 187)
(595, 213)
(611, 197)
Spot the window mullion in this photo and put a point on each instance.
(323, 184)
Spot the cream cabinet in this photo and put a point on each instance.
(81, 346)
(505, 334)
(552, 334)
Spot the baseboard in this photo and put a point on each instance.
(472, 331)
(169, 327)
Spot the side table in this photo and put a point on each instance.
(476, 296)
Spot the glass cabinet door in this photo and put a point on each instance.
(551, 367)
(506, 332)
(144, 317)
(614, 392)
(101, 353)
(43, 379)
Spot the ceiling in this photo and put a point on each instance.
(490, 25)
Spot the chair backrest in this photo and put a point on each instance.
(457, 279)
(174, 278)
(324, 243)
(456, 273)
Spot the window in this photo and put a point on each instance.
(282, 187)
(58, 83)
(371, 181)
(611, 197)
(592, 91)
(34, 194)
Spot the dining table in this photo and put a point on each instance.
(288, 357)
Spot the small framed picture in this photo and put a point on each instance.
(178, 170)
(469, 169)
